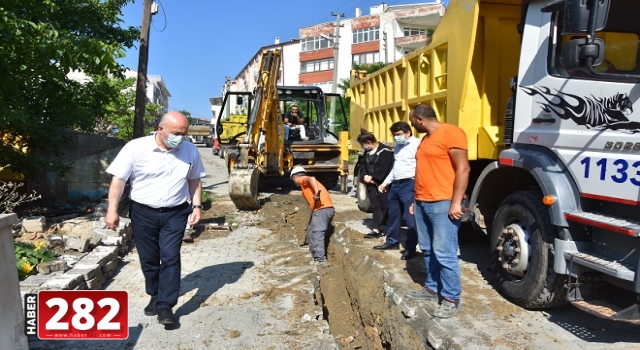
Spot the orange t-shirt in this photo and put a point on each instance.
(325, 198)
(435, 174)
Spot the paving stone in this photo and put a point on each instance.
(94, 240)
(112, 241)
(62, 282)
(51, 266)
(80, 244)
(34, 224)
(86, 273)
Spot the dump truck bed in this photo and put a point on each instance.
(463, 74)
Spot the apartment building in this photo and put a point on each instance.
(384, 35)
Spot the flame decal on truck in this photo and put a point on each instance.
(598, 113)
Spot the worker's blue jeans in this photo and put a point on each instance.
(438, 240)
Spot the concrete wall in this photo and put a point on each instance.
(12, 320)
(89, 156)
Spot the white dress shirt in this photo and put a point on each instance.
(404, 165)
(158, 177)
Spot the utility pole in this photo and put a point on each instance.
(336, 53)
(141, 81)
(384, 39)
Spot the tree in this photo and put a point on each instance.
(42, 41)
(118, 113)
(192, 120)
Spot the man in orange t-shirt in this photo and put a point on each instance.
(442, 174)
(322, 212)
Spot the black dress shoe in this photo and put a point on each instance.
(373, 234)
(150, 309)
(165, 316)
(387, 246)
(408, 255)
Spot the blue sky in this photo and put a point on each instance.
(202, 41)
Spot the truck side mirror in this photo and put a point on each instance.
(219, 129)
(576, 51)
(576, 15)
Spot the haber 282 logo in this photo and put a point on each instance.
(77, 314)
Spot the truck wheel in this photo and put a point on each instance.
(522, 256)
(223, 152)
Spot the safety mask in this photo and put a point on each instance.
(367, 148)
(400, 140)
(173, 141)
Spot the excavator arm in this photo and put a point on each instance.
(261, 151)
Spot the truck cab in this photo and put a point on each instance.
(561, 202)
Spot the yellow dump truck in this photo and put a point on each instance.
(544, 90)
(200, 134)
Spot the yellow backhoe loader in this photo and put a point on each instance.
(258, 150)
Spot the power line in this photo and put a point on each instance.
(165, 19)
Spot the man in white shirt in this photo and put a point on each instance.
(164, 173)
(400, 182)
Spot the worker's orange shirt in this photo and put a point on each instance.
(325, 198)
(435, 174)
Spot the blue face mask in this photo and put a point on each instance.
(400, 140)
(173, 141)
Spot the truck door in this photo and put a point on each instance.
(589, 121)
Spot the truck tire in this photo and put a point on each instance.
(522, 252)
(223, 151)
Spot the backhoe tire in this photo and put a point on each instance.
(232, 158)
(522, 252)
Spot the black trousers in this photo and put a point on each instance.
(379, 206)
(158, 234)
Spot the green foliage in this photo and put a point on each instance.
(118, 98)
(29, 255)
(42, 41)
(370, 67)
(207, 197)
(353, 157)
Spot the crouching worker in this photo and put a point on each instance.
(322, 212)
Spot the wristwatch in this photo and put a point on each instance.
(197, 206)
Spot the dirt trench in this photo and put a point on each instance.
(355, 294)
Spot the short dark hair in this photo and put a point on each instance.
(366, 136)
(400, 126)
(424, 111)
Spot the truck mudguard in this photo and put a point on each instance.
(549, 172)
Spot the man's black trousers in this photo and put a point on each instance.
(158, 234)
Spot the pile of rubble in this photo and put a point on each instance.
(88, 252)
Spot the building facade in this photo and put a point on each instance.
(384, 35)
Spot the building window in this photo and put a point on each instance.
(315, 43)
(366, 34)
(317, 65)
(325, 86)
(366, 58)
(414, 31)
